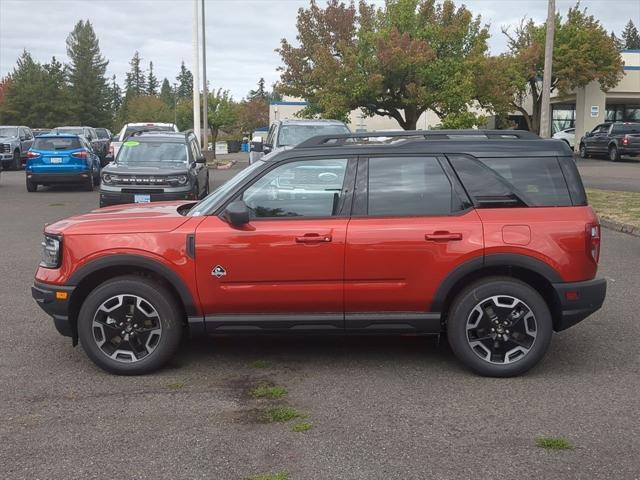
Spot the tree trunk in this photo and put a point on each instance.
(411, 117)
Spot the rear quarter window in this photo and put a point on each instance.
(537, 181)
(58, 143)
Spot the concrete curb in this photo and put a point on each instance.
(620, 227)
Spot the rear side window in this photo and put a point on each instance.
(629, 128)
(57, 143)
(408, 186)
(498, 182)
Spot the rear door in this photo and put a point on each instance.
(411, 226)
(284, 270)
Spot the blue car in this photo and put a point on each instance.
(62, 159)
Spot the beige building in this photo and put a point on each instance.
(582, 110)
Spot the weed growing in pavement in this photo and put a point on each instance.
(553, 443)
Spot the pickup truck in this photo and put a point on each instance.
(612, 140)
(15, 142)
(131, 128)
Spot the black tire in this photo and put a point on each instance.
(168, 317)
(89, 183)
(31, 186)
(462, 312)
(583, 151)
(614, 154)
(17, 161)
(206, 188)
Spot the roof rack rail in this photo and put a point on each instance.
(342, 139)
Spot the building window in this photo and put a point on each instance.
(564, 116)
(623, 113)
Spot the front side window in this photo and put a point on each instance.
(408, 186)
(308, 188)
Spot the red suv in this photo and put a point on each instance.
(483, 235)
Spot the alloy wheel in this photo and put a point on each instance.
(501, 329)
(126, 328)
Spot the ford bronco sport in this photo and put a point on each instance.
(484, 236)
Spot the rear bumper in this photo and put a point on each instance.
(118, 198)
(629, 151)
(45, 296)
(586, 298)
(53, 178)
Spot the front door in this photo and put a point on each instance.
(409, 230)
(283, 270)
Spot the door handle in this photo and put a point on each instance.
(314, 238)
(442, 237)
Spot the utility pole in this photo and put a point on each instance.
(205, 101)
(196, 74)
(545, 117)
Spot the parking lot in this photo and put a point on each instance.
(380, 407)
(622, 176)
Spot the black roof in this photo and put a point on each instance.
(479, 143)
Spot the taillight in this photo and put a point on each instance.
(592, 231)
(111, 150)
(625, 140)
(31, 154)
(81, 154)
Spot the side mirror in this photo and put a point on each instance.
(236, 213)
(256, 147)
(201, 160)
(266, 149)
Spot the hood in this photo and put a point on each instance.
(146, 168)
(120, 219)
(8, 139)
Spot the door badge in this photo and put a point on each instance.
(218, 271)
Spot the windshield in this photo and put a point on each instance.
(147, 128)
(295, 134)
(75, 131)
(8, 132)
(214, 197)
(56, 143)
(143, 152)
(102, 133)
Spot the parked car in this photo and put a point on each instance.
(568, 135)
(89, 133)
(612, 140)
(40, 131)
(62, 159)
(104, 135)
(15, 142)
(155, 166)
(131, 128)
(484, 236)
(285, 134)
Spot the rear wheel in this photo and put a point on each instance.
(31, 186)
(583, 151)
(88, 183)
(17, 161)
(130, 326)
(499, 327)
(614, 154)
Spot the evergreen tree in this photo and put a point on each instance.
(85, 73)
(166, 93)
(115, 97)
(631, 37)
(617, 41)
(56, 91)
(260, 92)
(185, 83)
(135, 83)
(152, 81)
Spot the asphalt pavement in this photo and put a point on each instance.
(380, 408)
(623, 175)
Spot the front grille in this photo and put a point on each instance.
(140, 180)
(6, 148)
(145, 191)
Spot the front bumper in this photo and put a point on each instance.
(49, 298)
(116, 198)
(58, 178)
(578, 300)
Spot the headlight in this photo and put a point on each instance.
(178, 180)
(50, 252)
(106, 178)
(182, 179)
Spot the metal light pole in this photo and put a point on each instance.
(205, 101)
(196, 73)
(545, 117)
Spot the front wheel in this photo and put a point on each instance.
(130, 326)
(17, 161)
(614, 154)
(499, 327)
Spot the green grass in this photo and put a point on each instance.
(260, 364)
(553, 443)
(281, 414)
(301, 427)
(56, 204)
(174, 386)
(621, 207)
(268, 391)
(270, 476)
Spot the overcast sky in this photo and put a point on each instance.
(241, 34)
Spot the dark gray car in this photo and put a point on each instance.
(155, 166)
